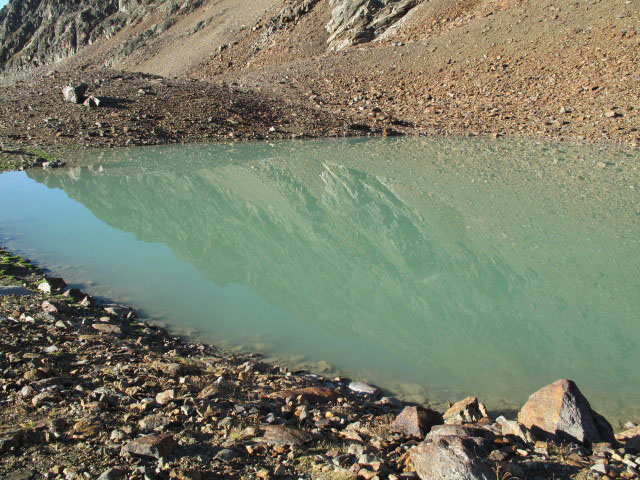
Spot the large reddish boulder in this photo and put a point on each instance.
(561, 410)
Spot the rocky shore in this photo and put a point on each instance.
(89, 390)
(37, 125)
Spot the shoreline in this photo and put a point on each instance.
(96, 376)
(139, 109)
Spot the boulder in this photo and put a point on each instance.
(155, 446)
(468, 410)
(416, 421)
(75, 93)
(449, 457)
(560, 410)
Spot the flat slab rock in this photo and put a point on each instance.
(18, 291)
(450, 457)
(155, 446)
(560, 409)
(314, 394)
(283, 435)
(364, 388)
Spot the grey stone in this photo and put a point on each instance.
(151, 446)
(75, 93)
(282, 435)
(227, 454)
(154, 422)
(18, 291)
(112, 474)
(449, 458)
(364, 388)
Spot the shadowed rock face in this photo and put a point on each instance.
(36, 32)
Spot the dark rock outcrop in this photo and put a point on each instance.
(37, 32)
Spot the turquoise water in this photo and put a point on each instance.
(434, 268)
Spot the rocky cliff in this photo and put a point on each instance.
(34, 33)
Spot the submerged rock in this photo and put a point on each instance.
(560, 409)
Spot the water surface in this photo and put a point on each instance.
(435, 268)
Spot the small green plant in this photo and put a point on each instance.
(42, 154)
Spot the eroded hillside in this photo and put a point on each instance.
(543, 68)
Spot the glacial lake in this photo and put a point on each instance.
(434, 268)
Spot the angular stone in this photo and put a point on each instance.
(561, 410)
(87, 427)
(20, 474)
(282, 435)
(416, 421)
(462, 431)
(156, 446)
(468, 410)
(112, 474)
(106, 328)
(171, 369)
(45, 397)
(73, 293)
(209, 391)
(313, 394)
(57, 284)
(75, 93)
(11, 439)
(227, 454)
(153, 422)
(165, 397)
(449, 458)
(516, 429)
(91, 102)
(364, 388)
(630, 438)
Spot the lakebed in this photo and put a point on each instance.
(436, 268)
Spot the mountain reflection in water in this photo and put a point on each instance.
(441, 267)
